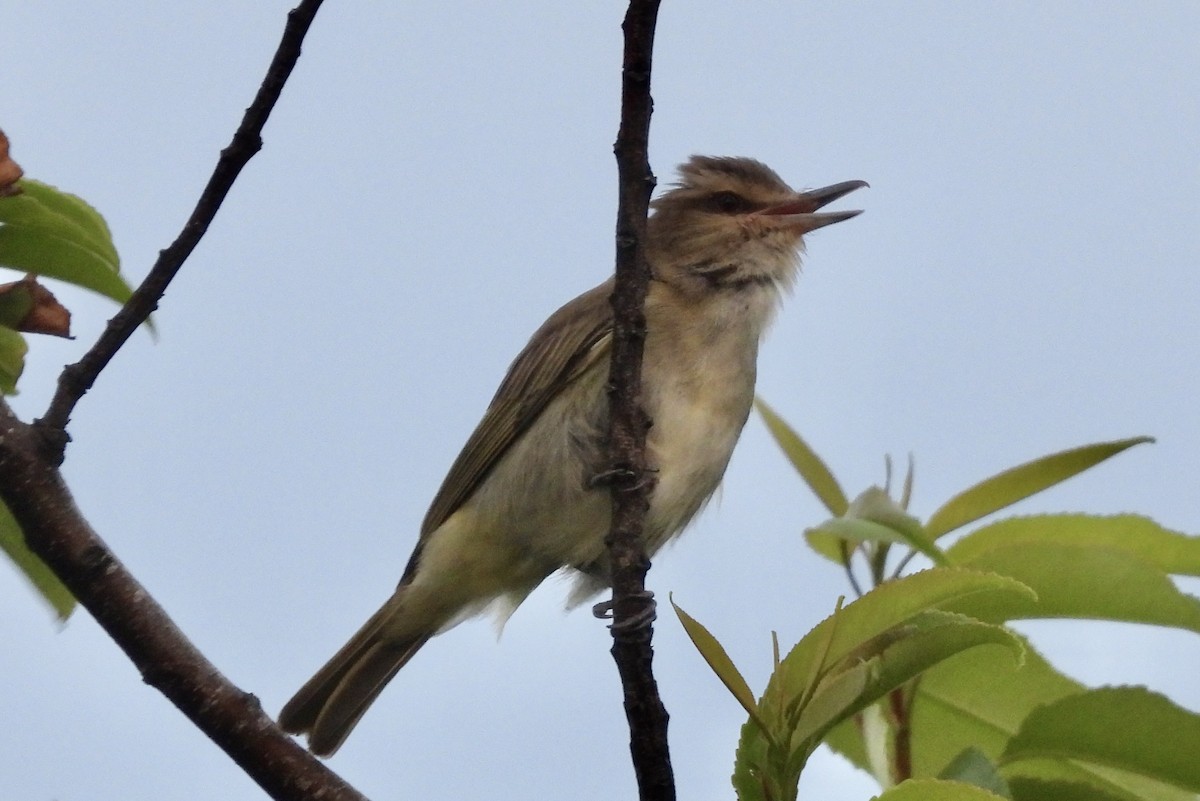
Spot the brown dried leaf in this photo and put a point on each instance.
(28, 306)
(10, 171)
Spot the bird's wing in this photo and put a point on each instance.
(569, 342)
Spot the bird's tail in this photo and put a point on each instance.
(330, 704)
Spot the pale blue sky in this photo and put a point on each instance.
(437, 179)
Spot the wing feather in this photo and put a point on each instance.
(568, 343)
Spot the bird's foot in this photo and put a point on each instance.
(623, 476)
(617, 474)
(642, 618)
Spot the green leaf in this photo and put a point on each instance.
(975, 699)
(1127, 728)
(1080, 581)
(863, 678)
(880, 610)
(1118, 784)
(896, 657)
(1044, 790)
(937, 790)
(827, 537)
(972, 766)
(829, 544)
(876, 506)
(12, 542)
(855, 656)
(749, 782)
(52, 233)
(972, 699)
(75, 209)
(810, 467)
(718, 659)
(1140, 537)
(836, 698)
(1018, 483)
(12, 359)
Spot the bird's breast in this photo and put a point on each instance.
(698, 402)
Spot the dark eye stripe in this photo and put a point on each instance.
(727, 202)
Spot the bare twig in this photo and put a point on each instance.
(628, 423)
(33, 489)
(76, 379)
(56, 531)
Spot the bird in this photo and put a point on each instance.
(522, 500)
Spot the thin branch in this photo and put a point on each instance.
(33, 488)
(76, 379)
(628, 422)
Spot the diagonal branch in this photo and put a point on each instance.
(76, 379)
(628, 422)
(33, 489)
(56, 531)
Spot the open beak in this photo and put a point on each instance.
(799, 215)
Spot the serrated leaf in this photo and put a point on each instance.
(810, 467)
(896, 657)
(1157, 738)
(1078, 581)
(1141, 537)
(972, 766)
(1018, 483)
(12, 542)
(885, 637)
(881, 609)
(748, 783)
(48, 232)
(718, 659)
(836, 698)
(936, 790)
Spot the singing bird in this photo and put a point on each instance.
(522, 501)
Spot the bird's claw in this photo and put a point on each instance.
(617, 473)
(623, 475)
(646, 614)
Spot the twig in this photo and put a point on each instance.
(33, 489)
(56, 531)
(76, 379)
(628, 423)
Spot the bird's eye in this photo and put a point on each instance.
(727, 202)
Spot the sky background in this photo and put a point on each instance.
(437, 178)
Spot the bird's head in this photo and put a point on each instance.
(729, 223)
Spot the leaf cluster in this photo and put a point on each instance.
(44, 232)
(919, 680)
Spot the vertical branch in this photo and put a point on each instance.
(628, 422)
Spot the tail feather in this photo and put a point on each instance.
(329, 705)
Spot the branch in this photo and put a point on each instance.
(628, 422)
(76, 379)
(33, 489)
(56, 531)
